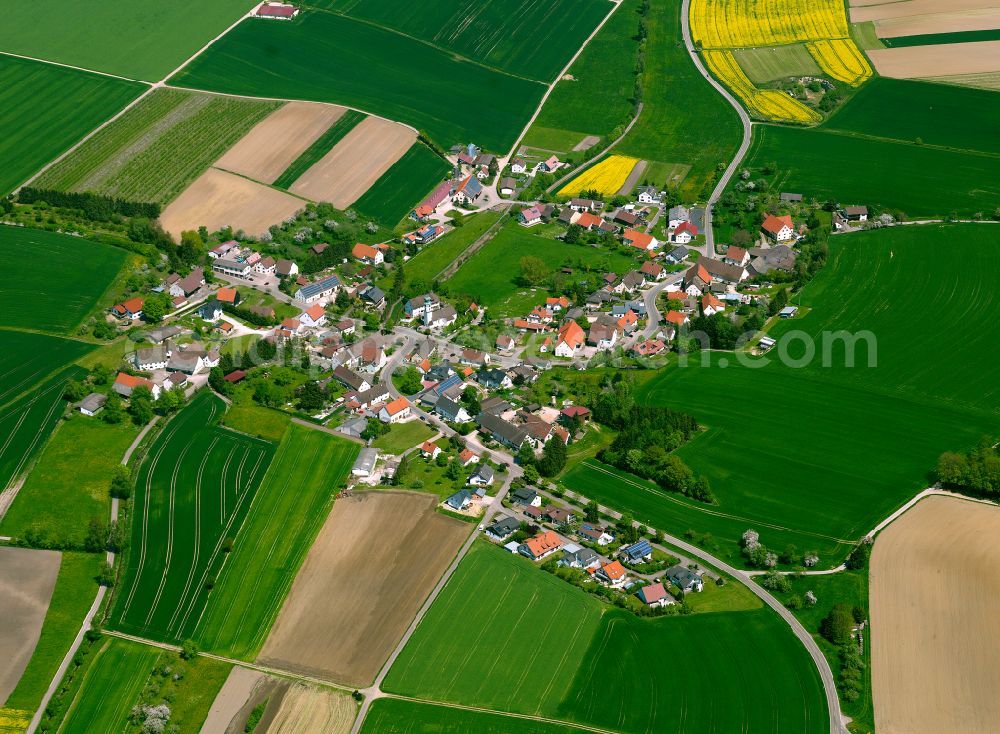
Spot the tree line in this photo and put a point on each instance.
(94, 206)
(976, 471)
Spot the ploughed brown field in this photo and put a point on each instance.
(935, 582)
(355, 163)
(218, 199)
(27, 578)
(376, 559)
(276, 141)
(944, 59)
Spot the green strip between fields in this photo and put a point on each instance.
(936, 39)
(322, 145)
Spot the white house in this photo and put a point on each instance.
(779, 229)
(518, 166)
(684, 233)
(315, 315)
(649, 195)
(571, 340)
(394, 412)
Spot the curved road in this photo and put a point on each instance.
(744, 118)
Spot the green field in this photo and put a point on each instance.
(684, 119)
(555, 651)
(402, 187)
(524, 37)
(490, 276)
(58, 296)
(47, 109)
(832, 450)
(764, 65)
(27, 358)
(62, 493)
(331, 58)
(287, 513)
(319, 148)
(422, 270)
(931, 39)
(402, 436)
(256, 420)
(604, 72)
(192, 492)
(395, 716)
(153, 151)
(76, 586)
(111, 686)
(142, 39)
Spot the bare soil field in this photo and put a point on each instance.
(355, 163)
(231, 699)
(376, 559)
(217, 199)
(944, 59)
(935, 579)
(862, 10)
(27, 578)
(633, 178)
(313, 710)
(274, 143)
(982, 19)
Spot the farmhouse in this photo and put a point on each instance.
(571, 340)
(502, 431)
(223, 249)
(541, 546)
(125, 384)
(319, 290)
(507, 186)
(779, 229)
(152, 358)
(351, 380)
(232, 268)
(286, 268)
(130, 309)
(856, 213)
(368, 254)
(187, 285)
(394, 412)
(467, 190)
(684, 579)
(737, 256)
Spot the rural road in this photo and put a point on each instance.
(652, 310)
(720, 187)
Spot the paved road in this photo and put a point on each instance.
(744, 119)
(652, 310)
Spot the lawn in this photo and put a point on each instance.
(142, 39)
(47, 109)
(62, 493)
(523, 37)
(153, 151)
(778, 62)
(320, 147)
(491, 276)
(684, 119)
(58, 296)
(76, 586)
(402, 436)
(555, 651)
(27, 358)
(284, 518)
(331, 58)
(192, 493)
(404, 185)
(605, 72)
(395, 716)
(832, 450)
(111, 686)
(266, 423)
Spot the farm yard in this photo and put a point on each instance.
(397, 716)
(590, 664)
(377, 557)
(528, 38)
(605, 177)
(58, 296)
(285, 517)
(47, 110)
(140, 39)
(325, 57)
(192, 493)
(902, 413)
(319, 147)
(157, 148)
(933, 591)
(395, 192)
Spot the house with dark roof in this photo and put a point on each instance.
(483, 476)
(684, 579)
(451, 411)
(459, 501)
(526, 496)
(352, 380)
(503, 529)
(637, 552)
(501, 431)
(325, 288)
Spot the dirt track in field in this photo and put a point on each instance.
(274, 143)
(218, 199)
(935, 581)
(27, 579)
(939, 60)
(376, 559)
(355, 163)
(313, 710)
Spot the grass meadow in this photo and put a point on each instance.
(320, 147)
(284, 519)
(326, 57)
(153, 151)
(47, 109)
(393, 196)
(402, 436)
(491, 276)
(396, 716)
(529, 38)
(539, 646)
(192, 493)
(140, 39)
(62, 493)
(604, 71)
(58, 296)
(266, 423)
(832, 450)
(111, 686)
(76, 586)
(764, 65)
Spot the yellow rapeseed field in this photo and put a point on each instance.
(767, 103)
(606, 177)
(842, 60)
(14, 721)
(748, 23)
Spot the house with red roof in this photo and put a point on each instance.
(612, 574)
(655, 595)
(130, 309)
(368, 254)
(779, 229)
(541, 546)
(228, 295)
(315, 315)
(571, 339)
(125, 383)
(394, 412)
(684, 233)
(653, 270)
(588, 221)
(550, 166)
(676, 318)
(710, 305)
(639, 240)
(430, 450)
(737, 256)
(648, 348)
(276, 11)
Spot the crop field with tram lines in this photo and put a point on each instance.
(192, 493)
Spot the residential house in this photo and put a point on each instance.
(587, 221)
(493, 379)
(429, 450)
(503, 529)
(371, 356)
(526, 496)
(483, 476)
(368, 254)
(467, 457)
(518, 165)
(129, 310)
(684, 579)
(575, 557)
(586, 205)
(467, 190)
(655, 595)
(551, 165)
(653, 270)
(677, 255)
(571, 339)
(595, 534)
(152, 358)
(636, 553)
(710, 305)
(505, 343)
(266, 266)
(678, 215)
(502, 431)
(625, 217)
(649, 195)
(541, 546)
(574, 412)
(676, 318)
(603, 335)
(232, 268)
(633, 281)
(507, 186)
(442, 317)
(725, 272)
(124, 385)
(639, 240)
(286, 268)
(92, 404)
(612, 574)
(779, 229)
(451, 411)
(352, 380)
(737, 256)
(187, 285)
(474, 358)
(459, 501)
(417, 307)
(649, 348)
(394, 412)
(325, 288)
(558, 515)
(530, 217)
(210, 310)
(856, 213)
